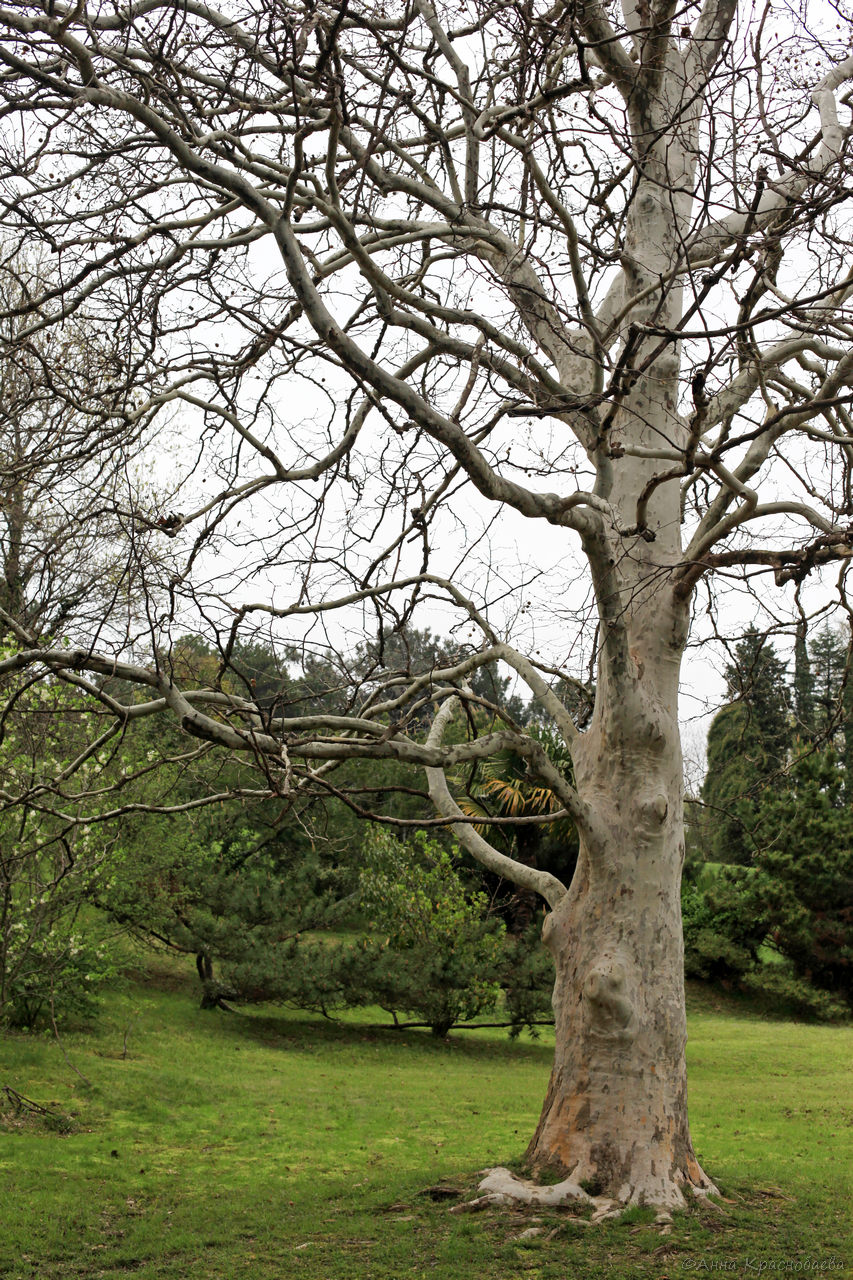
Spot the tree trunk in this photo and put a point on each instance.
(615, 1115)
(211, 993)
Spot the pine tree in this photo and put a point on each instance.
(748, 741)
(802, 889)
(828, 664)
(804, 707)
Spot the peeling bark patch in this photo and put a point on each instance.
(613, 1169)
(582, 1117)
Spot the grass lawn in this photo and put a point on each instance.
(273, 1145)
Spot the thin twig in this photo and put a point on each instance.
(88, 1083)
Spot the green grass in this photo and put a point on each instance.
(273, 1145)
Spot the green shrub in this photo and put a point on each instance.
(436, 950)
(721, 936)
(527, 977)
(53, 976)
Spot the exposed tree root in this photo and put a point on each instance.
(501, 1188)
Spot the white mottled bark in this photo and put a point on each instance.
(615, 1117)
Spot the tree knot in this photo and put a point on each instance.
(609, 1008)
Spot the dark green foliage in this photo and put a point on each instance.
(757, 679)
(781, 920)
(429, 949)
(828, 656)
(748, 741)
(721, 938)
(229, 886)
(230, 882)
(245, 890)
(438, 948)
(780, 987)
(738, 767)
(833, 695)
(274, 900)
(527, 979)
(802, 888)
(795, 900)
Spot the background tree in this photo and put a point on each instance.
(795, 899)
(411, 277)
(248, 889)
(785, 821)
(748, 743)
(804, 709)
(70, 553)
(53, 954)
(229, 884)
(69, 558)
(435, 949)
(803, 890)
(832, 694)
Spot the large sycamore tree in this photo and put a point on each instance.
(403, 270)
